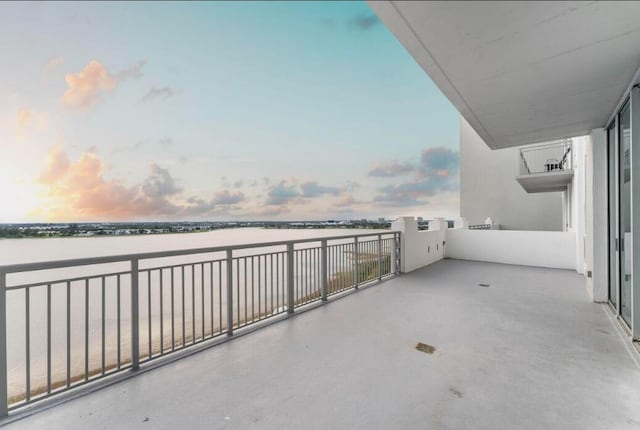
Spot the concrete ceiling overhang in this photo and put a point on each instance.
(523, 72)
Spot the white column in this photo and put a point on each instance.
(599, 218)
(408, 227)
(577, 191)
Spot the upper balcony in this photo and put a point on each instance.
(457, 344)
(546, 168)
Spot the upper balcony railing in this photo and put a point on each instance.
(66, 323)
(551, 157)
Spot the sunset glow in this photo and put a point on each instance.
(287, 110)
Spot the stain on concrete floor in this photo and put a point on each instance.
(425, 348)
(456, 392)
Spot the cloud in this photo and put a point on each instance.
(439, 161)
(50, 65)
(436, 172)
(313, 189)
(266, 212)
(224, 202)
(161, 93)
(390, 169)
(159, 183)
(346, 200)
(226, 197)
(86, 87)
(26, 118)
(56, 167)
(165, 141)
(364, 21)
(80, 191)
(282, 193)
(411, 192)
(132, 72)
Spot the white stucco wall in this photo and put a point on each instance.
(420, 248)
(581, 153)
(488, 188)
(529, 248)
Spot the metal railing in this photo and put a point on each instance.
(549, 157)
(480, 227)
(67, 323)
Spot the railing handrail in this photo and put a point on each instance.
(567, 151)
(57, 264)
(546, 157)
(563, 142)
(524, 160)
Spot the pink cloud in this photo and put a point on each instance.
(56, 168)
(86, 87)
(79, 191)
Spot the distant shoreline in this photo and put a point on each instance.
(94, 230)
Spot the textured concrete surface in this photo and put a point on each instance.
(528, 352)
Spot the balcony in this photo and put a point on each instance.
(500, 343)
(546, 168)
(530, 349)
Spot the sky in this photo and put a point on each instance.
(123, 111)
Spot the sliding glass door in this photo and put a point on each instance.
(624, 173)
(613, 215)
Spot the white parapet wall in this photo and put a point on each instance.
(420, 248)
(553, 249)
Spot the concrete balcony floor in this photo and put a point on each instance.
(529, 352)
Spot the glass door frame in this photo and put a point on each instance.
(635, 211)
(633, 98)
(624, 226)
(612, 176)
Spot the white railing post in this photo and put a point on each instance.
(379, 257)
(399, 255)
(290, 281)
(230, 292)
(135, 317)
(356, 266)
(393, 261)
(395, 254)
(4, 399)
(323, 269)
